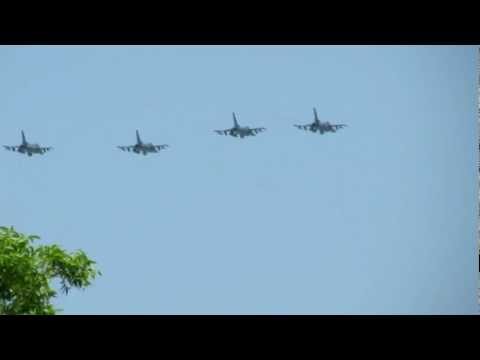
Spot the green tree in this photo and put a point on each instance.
(27, 273)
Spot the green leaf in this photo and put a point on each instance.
(26, 273)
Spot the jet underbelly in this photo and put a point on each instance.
(244, 131)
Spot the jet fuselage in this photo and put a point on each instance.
(144, 148)
(322, 127)
(241, 131)
(30, 149)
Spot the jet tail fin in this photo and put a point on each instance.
(139, 141)
(315, 114)
(235, 123)
(24, 140)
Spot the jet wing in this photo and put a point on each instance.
(125, 148)
(255, 131)
(11, 148)
(160, 147)
(304, 127)
(223, 132)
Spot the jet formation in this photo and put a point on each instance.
(145, 148)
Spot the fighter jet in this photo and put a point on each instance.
(143, 148)
(321, 127)
(26, 148)
(238, 130)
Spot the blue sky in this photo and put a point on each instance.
(379, 218)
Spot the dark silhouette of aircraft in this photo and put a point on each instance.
(238, 130)
(143, 148)
(321, 127)
(27, 148)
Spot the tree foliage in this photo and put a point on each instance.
(27, 273)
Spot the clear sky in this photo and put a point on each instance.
(379, 218)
